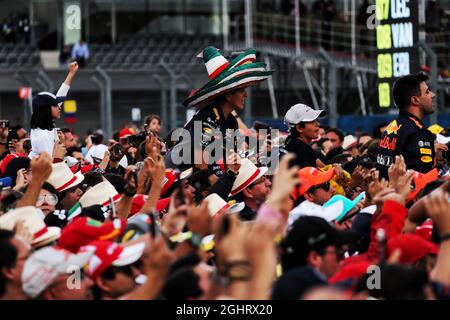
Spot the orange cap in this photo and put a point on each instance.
(309, 177)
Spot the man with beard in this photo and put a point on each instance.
(407, 135)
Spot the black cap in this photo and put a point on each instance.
(363, 161)
(96, 212)
(311, 233)
(57, 218)
(45, 99)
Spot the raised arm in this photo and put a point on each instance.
(64, 89)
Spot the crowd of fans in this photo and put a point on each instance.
(16, 28)
(112, 218)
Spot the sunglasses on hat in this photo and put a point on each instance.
(325, 186)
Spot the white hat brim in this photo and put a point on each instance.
(236, 207)
(262, 171)
(52, 234)
(307, 208)
(130, 254)
(79, 179)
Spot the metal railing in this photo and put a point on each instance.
(333, 36)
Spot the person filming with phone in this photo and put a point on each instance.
(47, 109)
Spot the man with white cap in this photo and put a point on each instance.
(56, 274)
(304, 128)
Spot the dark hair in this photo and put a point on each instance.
(406, 87)
(340, 159)
(92, 178)
(116, 135)
(200, 181)
(12, 134)
(338, 132)
(109, 274)
(8, 256)
(47, 186)
(332, 153)
(372, 147)
(117, 181)
(182, 285)
(293, 133)
(71, 150)
(43, 119)
(151, 117)
(66, 130)
(399, 283)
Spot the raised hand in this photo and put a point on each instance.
(59, 150)
(199, 219)
(283, 182)
(397, 170)
(41, 167)
(73, 68)
(234, 162)
(438, 209)
(157, 169)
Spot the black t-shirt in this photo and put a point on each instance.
(206, 123)
(304, 154)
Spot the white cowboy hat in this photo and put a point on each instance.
(62, 178)
(216, 204)
(99, 194)
(41, 233)
(248, 173)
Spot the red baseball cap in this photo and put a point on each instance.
(309, 177)
(412, 247)
(169, 179)
(87, 168)
(139, 200)
(4, 163)
(351, 271)
(108, 254)
(84, 230)
(421, 180)
(425, 230)
(126, 132)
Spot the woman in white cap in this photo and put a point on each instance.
(303, 129)
(46, 109)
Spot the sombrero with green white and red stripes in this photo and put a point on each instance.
(226, 76)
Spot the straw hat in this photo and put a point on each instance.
(217, 204)
(62, 178)
(41, 233)
(99, 194)
(248, 173)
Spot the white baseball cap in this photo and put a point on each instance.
(302, 113)
(308, 208)
(45, 265)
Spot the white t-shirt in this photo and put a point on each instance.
(42, 141)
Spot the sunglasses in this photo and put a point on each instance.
(50, 199)
(325, 186)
